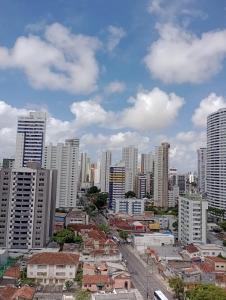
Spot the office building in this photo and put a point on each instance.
(147, 163)
(116, 183)
(202, 170)
(130, 206)
(30, 139)
(27, 202)
(216, 159)
(130, 159)
(144, 185)
(65, 159)
(161, 175)
(192, 222)
(105, 164)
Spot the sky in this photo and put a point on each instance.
(114, 73)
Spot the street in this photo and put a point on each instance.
(143, 277)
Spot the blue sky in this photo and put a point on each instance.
(114, 73)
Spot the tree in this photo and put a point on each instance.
(105, 228)
(207, 292)
(101, 200)
(175, 225)
(177, 285)
(64, 236)
(223, 225)
(123, 234)
(68, 284)
(224, 243)
(130, 194)
(93, 190)
(83, 295)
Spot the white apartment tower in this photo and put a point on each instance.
(130, 159)
(202, 170)
(105, 164)
(161, 175)
(147, 163)
(85, 169)
(65, 159)
(192, 222)
(216, 159)
(30, 139)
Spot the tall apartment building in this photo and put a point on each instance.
(27, 204)
(130, 206)
(85, 170)
(116, 183)
(144, 185)
(216, 159)
(161, 175)
(192, 222)
(8, 162)
(130, 158)
(181, 182)
(105, 164)
(202, 170)
(30, 139)
(65, 159)
(147, 163)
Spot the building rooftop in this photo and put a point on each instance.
(13, 293)
(194, 197)
(59, 258)
(95, 279)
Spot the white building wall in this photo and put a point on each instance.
(130, 158)
(130, 206)
(142, 241)
(105, 164)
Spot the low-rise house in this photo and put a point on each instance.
(191, 251)
(218, 263)
(13, 293)
(95, 283)
(77, 217)
(194, 251)
(12, 273)
(52, 268)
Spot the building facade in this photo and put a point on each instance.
(105, 164)
(28, 198)
(144, 185)
(192, 222)
(85, 171)
(130, 206)
(30, 139)
(130, 159)
(116, 183)
(147, 163)
(216, 159)
(161, 175)
(65, 159)
(201, 153)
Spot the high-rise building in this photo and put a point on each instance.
(147, 163)
(130, 206)
(144, 185)
(65, 159)
(161, 175)
(130, 159)
(116, 183)
(8, 162)
(30, 139)
(105, 164)
(216, 159)
(181, 182)
(85, 169)
(192, 222)
(202, 170)
(27, 204)
(172, 177)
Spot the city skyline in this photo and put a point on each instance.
(126, 94)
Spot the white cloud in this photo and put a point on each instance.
(179, 56)
(115, 36)
(115, 87)
(60, 60)
(152, 110)
(207, 106)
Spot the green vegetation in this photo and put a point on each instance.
(82, 295)
(101, 200)
(105, 228)
(177, 285)
(206, 292)
(223, 225)
(93, 190)
(68, 284)
(123, 234)
(175, 225)
(224, 243)
(159, 211)
(216, 211)
(24, 280)
(130, 194)
(91, 210)
(66, 236)
(78, 276)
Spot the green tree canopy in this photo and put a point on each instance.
(207, 292)
(101, 200)
(105, 228)
(123, 234)
(65, 236)
(93, 190)
(130, 194)
(83, 295)
(177, 285)
(223, 225)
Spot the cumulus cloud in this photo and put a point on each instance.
(152, 110)
(179, 56)
(207, 106)
(115, 87)
(115, 36)
(60, 60)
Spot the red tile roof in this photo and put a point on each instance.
(191, 248)
(13, 293)
(59, 258)
(206, 267)
(12, 272)
(216, 259)
(95, 279)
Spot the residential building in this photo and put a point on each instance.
(27, 201)
(192, 223)
(181, 182)
(130, 206)
(216, 159)
(173, 196)
(10, 292)
(105, 164)
(161, 175)
(116, 183)
(130, 159)
(65, 159)
(30, 139)
(85, 169)
(202, 170)
(77, 217)
(142, 241)
(172, 177)
(144, 185)
(147, 163)
(49, 268)
(8, 162)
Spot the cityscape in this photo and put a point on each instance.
(124, 199)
